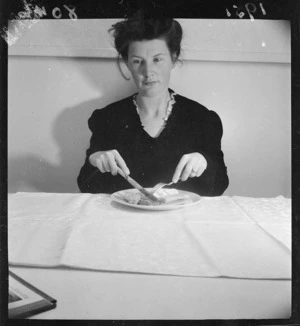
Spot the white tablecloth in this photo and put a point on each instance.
(223, 236)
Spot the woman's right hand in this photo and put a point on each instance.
(109, 161)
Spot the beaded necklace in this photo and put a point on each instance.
(169, 108)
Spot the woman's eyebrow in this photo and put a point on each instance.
(137, 56)
(156, 55)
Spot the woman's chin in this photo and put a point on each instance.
(150, 91)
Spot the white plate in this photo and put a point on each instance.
(119, 197)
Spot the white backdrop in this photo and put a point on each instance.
(60, 71)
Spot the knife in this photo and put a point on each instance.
(138, 186)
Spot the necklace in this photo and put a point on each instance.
(169, 107)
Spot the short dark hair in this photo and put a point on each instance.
(141, 26)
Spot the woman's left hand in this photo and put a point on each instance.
(190, 166)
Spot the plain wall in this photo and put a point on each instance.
(50, 99)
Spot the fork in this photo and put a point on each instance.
(159, 186)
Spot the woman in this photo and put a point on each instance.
(154, 135)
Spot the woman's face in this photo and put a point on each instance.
(150, 64)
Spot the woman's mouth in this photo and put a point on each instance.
(149, 83)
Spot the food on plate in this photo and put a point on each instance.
(132, 197)
(165, 196)
(148, 202)
(137, 198)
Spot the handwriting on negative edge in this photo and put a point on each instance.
(249, 7)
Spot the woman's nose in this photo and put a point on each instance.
(148, 69)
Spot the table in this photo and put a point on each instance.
(104, 294)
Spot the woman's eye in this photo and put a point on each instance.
(157, 59)
(136, 61)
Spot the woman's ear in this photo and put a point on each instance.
(120, 63)
(127, 64)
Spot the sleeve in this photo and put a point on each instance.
(214, 178)
(90, 179)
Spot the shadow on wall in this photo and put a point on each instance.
(33, 173)
(70, 131)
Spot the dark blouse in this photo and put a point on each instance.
(190, 128)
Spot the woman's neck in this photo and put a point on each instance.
(153, 106)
